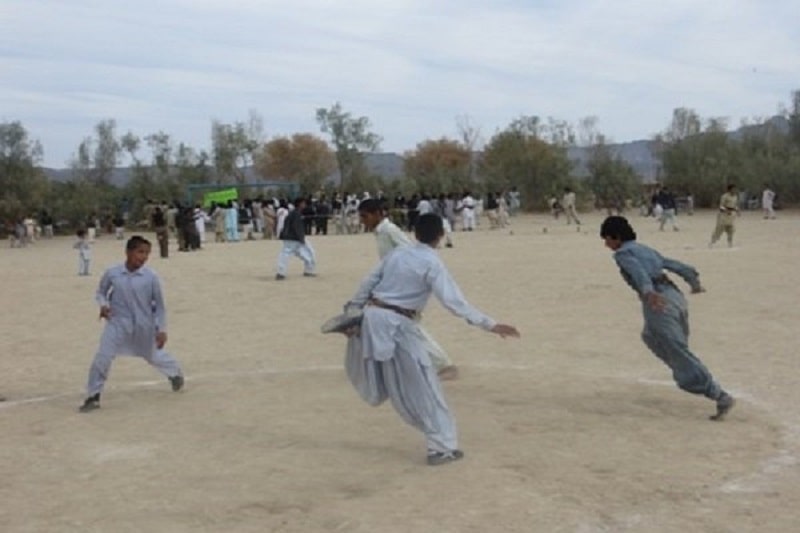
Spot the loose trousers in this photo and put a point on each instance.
(666, 333)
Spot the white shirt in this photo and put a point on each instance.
(389, 237)
(568, 200)
(281, 218)
(408, 276)
(424, 207)
(767, 198)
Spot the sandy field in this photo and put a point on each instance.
(575, 427)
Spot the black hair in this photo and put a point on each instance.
(81, 233)
(136, 241)
(370, 205)
(429, 228)
(617, 227)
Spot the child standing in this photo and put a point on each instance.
(131, 301)
(84, 248)
(666, 314)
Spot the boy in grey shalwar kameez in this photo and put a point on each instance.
(389, 357)
(666, 315)
(131, 301)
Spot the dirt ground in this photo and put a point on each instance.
(575, 427)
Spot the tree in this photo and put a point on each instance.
(98, 157)
(350, 137)
(697, 160)
(440, 166)
(235, 147)
(23, 185)
(92, 171)
(303, 158)
(519, 156)
(470, 136)
(612, 180)
(794, 119)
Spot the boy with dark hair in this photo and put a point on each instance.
(131, 301)
(666, 314)
(388, 357)
(389, 236)
(726, 217)
(293, 235)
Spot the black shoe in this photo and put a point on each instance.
(91, 403)
(449, 245)
(309, 274)
(725, 403)
(177, 382)
(279, 277)
(440, 458)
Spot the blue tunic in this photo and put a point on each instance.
(666, 331)
(137, 311)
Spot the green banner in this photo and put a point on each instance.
(221, 197)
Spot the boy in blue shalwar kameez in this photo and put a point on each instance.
(666, 314)
(131, 301)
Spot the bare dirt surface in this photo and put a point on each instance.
(575, 427)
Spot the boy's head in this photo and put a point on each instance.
(137, 251)
(429, 229)
(370, 212)
(616, 230)
(81, 233)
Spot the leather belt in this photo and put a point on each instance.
(408, 313)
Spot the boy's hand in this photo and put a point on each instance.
(504, 330)
(161, 339)
(655, 301)
(105, 312)
(352, 331)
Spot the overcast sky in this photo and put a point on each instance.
(410, 66)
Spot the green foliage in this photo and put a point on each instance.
(704, 160)
(520, 156)
(23, 186)
(234, 147)
(350, 138)
(611, 180)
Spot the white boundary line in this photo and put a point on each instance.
(755, 482)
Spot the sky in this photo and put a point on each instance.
(413, 67)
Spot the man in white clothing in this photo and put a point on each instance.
(388, 357)
(468, 205)
(767, 203)
(568, 204)
(389, 237)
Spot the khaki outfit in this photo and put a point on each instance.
(726, 218)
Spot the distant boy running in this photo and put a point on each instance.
(131, 301)
(389, 237)
(293, 235)
(389, 358)
(666, 315)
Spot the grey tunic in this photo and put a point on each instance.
(137, 314)
(666, 332)
(390, 359)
